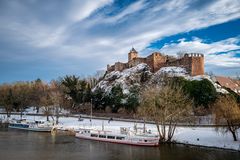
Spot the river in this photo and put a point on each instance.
(26, 145)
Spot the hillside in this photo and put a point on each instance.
(141, 76)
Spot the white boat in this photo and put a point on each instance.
(39, 126)
(125, 136)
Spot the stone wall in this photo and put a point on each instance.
(120, 66)
(159, 61)
(136, 61)
(193, 63)
(110, 68)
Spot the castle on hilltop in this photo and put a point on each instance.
(193, 63)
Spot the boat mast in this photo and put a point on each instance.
(102, 125)
(144, 126)
(91, 113)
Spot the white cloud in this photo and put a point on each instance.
(221, 53)
(83, 31)
(198, 45)
(158, 22)
(39, 34)
(224, 60)
(35, 34)
(131, 9)
(82, 9)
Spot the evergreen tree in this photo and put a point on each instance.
(203, 92)
(132, 101)
(116, 97)
(99, 100)
(71, 88)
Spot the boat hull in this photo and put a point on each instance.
(43, 129)
(128, 142)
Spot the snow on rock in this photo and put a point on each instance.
(173, 71)
(158, 77)
(133, 76)
(125, 79)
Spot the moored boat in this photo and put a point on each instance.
(39, 126)
(125, 136)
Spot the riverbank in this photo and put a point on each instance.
(205, 136)
(203, 123)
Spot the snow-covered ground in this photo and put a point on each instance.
(206, 136)
(203, 136)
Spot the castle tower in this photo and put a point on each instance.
(132, 54)
(194, 63)
(197, 64)
(158, 61)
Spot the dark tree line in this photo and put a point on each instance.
(116, 99)
(69, 92)
(20, 95)
(202, 91)
(74, 93)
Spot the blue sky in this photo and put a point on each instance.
(47, 39)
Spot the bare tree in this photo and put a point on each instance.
(58, 97)
(46, 100)
(21, 94)
(36, 93)
(166, 106)
(6, 98)
(227, 111)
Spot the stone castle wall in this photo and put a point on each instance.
(136, 61)
(193, 63)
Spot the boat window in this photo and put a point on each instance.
(102, 136)
(111, 137)
(94, 135)
(145, 140)
(120, 138)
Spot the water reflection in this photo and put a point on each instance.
(21, 145)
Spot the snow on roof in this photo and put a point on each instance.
(228, 83)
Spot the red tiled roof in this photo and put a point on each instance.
(232, 84)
